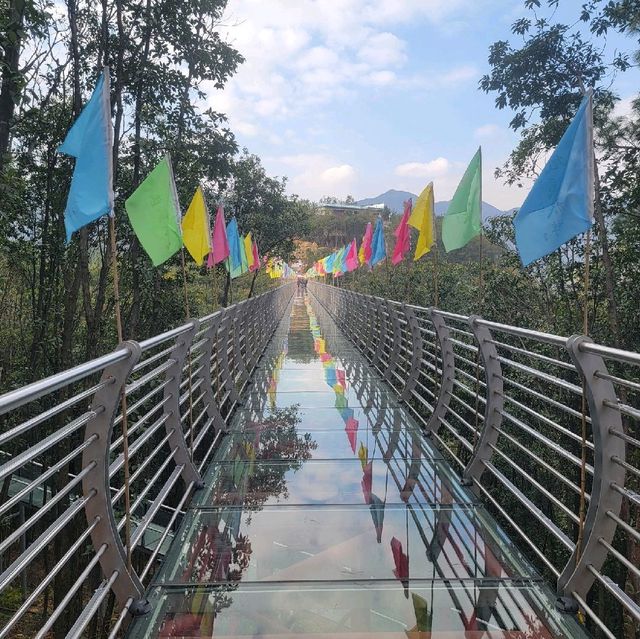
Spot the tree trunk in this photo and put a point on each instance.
(10, 91)
(253, 283)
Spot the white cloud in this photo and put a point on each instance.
(315, 174)
(624, 107)
(487, 131)
(434, 168)
(383, 50)
(457, 75)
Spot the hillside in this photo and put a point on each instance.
(394, 200)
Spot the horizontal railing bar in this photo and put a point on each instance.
(21, 396)
(164, 337)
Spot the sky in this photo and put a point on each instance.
(361, 96)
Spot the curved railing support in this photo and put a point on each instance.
(173, 425)
(605, 420)
(416, 353)
(488, 435)
(448, 370)
(96, 487)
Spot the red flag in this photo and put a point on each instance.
(403, 237)
(352, 256)
(352, 432)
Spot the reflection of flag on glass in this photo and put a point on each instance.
(330, 376)
(342, 378)
(367, 482)
(341, 400)
(401, 562)
(363, 453)
(352, 432)
(424, 617)
(377, 514)
(346, 413)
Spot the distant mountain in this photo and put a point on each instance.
(394, 200)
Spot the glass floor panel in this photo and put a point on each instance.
(421, 610)
(374, 542)
(326, 512)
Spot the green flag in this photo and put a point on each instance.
(463, 219)
(243, 255)
(154, 213)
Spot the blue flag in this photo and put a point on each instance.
(328, 267)
(235, 254)
(89, 141)
(560, 204)
(378, 249)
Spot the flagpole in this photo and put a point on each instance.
(120, 332)
(123, 394)
(188, 317)
(585, 330)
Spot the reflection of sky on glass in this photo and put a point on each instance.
(312, 545)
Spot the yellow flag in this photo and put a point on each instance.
(195, 228)
(422, 218)
(363, 453)
(248, 248)
(361, 258)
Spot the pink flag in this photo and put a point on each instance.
(219, 241)
(403, 238)
(365, 247)
(342, 378)
(256, 257)
(352, 256)
(400, 560)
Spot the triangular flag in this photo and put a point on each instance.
(378, 249)
(463, 219)
(423, 218)
(90, 140)
(220, 244)
(195, 228)
(363, 453)
(560, 204)
(377, 514)
(403, 238)
(154, 213)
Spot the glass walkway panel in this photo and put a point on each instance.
(326, 512)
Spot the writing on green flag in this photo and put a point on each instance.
(154, 213)
(463, 219)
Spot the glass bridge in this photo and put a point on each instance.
(327, 512)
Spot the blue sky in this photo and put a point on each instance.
(360, 96)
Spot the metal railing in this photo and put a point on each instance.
(130, 432)
(543, 429)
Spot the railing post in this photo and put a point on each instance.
(96, 486)
(213, 412)
(416, 353)
(173, 425)
(488, 435)
(448, 370)
(605, 420)
(395, 343)
(223, 356)
(382, 334)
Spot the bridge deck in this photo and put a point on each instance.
(327, 513)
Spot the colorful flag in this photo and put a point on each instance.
(235, 252)
(363, 453)
(329, 262)
(463, 219)
(154, 213)
(424, 618)
(400, 560)
(89, 141)
(256, 256)
(195, 228)
(248, 249)
(337, 262)
(378, 249)
(365, 248)
(403, 237)
(351, 429)
(351, 259)
(219, 243)
(560, 204)
(377, 514)
(423, 219)
(367, 482)
(243, 254)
